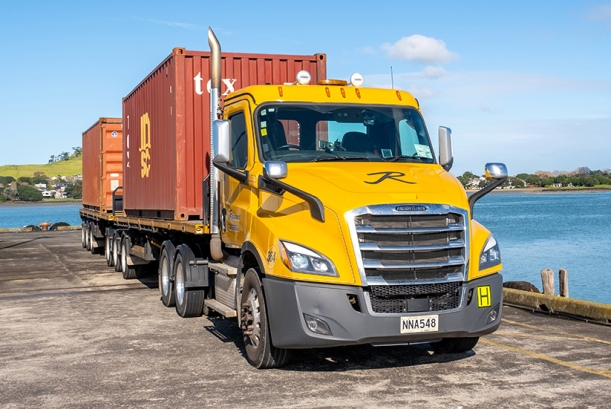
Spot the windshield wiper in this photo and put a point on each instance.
(414, 156)
(334, 156)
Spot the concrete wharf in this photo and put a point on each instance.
(73, 333)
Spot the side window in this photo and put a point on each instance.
(239, 141)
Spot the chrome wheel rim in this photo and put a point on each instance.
(165, 277)
(253, 318)
(180, 285)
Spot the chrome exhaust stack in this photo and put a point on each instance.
(216, 250)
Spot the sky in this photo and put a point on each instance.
(526, 83)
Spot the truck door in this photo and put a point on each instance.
(236, 197)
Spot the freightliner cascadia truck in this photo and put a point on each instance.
(313, 211)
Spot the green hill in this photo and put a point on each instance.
(70, 167)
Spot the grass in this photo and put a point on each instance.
(70, 167)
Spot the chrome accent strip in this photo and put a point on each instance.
(397, 249)
(417, 230)
(454, 261)
(377, 280)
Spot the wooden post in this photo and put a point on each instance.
(547, 277)
(563, 280)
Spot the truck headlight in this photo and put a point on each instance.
(491, 255)
(303, 260)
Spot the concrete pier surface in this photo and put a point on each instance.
(74, 334)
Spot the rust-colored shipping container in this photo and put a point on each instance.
(167, 126)
(102, 163)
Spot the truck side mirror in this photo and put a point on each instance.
(221, 142)
(496, 171)
(446, 157)
(275, 169)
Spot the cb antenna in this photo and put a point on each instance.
(392, 79)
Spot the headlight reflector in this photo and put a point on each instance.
(491, 255)
(300, 259)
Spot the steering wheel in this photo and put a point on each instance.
(288, 146)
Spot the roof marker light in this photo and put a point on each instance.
(357, 80)
(303, 77)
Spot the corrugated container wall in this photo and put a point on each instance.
(102, 163)
(167, 126)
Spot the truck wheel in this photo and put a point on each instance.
(164, 274)
(116, 247)
(188, 303)
(92, 248)
(257, 341)
(129, 272)
(88, 236)
(454, 345)
(108, 250)
(83, 235)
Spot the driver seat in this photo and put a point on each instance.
(276, 134)
(357, 142)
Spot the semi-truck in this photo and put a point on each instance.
(314, 212)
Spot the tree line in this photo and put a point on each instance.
(582, 177)
(23, 188)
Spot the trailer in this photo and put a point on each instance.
(313, 211)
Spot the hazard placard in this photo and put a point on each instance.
(484, 297)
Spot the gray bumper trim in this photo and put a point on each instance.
(287, 301)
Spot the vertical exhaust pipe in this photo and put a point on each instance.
(216, 250)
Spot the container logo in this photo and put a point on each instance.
(145, 145)
(198, 84)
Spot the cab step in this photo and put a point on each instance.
(221, 308)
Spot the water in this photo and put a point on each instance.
(24, 215)
(534, 231)
(564, 230)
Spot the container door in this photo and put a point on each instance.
(237, 197)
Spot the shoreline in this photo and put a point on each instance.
(43, 203)
(541, 190)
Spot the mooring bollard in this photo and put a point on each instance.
(547, 277)
(563, 280)
(45, 225)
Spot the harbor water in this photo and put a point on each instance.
(534, 232)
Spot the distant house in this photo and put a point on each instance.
(47, 193)
(41, 186)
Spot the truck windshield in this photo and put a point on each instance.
(312, 133)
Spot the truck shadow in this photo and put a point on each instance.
(341, 359)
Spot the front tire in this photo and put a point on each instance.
(454, 345)
(260, 351)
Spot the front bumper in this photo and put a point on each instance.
(287, 301)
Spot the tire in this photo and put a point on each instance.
(116, 251)
(108, 250)
(88, 236)
(84, 235)
(260, 351)
(164, 278)
(188, 303)
(454, 345)
(92, 248)
(129, 272)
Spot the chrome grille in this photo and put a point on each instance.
(393, 299)
(398, 247)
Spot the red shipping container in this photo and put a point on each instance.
(102, 163)
(167, 125)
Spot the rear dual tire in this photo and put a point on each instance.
(189, 303)
(108, 250)
(129, 272)
(164, 278)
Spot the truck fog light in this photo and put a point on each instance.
(317, 325)
(493, 315)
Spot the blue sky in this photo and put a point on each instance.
(522, 82)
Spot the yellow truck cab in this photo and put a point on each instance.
(347, 226)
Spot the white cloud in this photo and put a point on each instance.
(420, 48)
(600, 13)
(173, 24)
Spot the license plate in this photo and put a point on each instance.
(423, 323)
